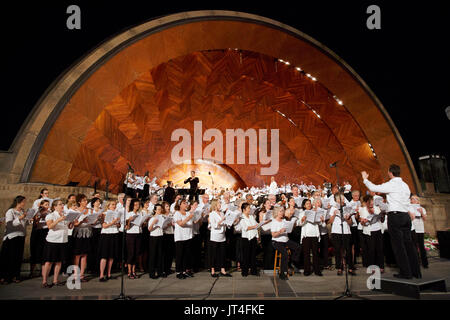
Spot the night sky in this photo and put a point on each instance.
(406, 63)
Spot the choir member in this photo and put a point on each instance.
(38, 234)
(217, 239)
(281, 242)
(13, 241)
(56, 243)
(196, 239)
(122, 207)
(109, 242)
(204, 230)
(147, 211)
(358, 241)
(420, 215)
(168, 241)
(133, 238)
(341, 235)
(371, 220)
(156, 243)
(310, 237)
(266, 237)
(93, 260)
(249, 241)
(70, 197)
(273, 187)
(44, 195)
(146, 185)
(169, 193)
(82, 236)
(183, 238)
(71, 205)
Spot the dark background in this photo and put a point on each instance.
(406, 63)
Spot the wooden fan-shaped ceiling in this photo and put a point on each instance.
(225, 89)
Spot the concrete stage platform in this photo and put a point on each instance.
(203, 286)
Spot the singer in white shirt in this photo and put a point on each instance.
(249, 241)
(399, 222)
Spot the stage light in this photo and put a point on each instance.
(340, 102)
(314, 79)
(298, 69)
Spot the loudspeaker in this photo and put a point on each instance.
(444, 243)
(433, 169)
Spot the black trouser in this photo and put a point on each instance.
(405, 251)
(364, 245)
(208, 250)
(295, 236)
(266, 242)
(218, 254)
(387, 248)
(238, 247)
(155, 246)
(248, 255)
(196, 252)
(11, 258)
(193, 194)
(323, 249)
(168, 252)
(281, 247)
(356, 243)
(133, 247)
(204, 236)
(182, 255)
(375, 249)
(420, 243)
(311, 244)
(342, 242)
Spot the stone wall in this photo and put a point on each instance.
(31, 191)
(438, 212)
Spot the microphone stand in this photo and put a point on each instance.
(347, 293)
(122, 295)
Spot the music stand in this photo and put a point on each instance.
(347, 293)
(122, 295)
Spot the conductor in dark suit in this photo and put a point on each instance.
(194, 181)
(169, 193)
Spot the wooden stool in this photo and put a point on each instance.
(277, 262)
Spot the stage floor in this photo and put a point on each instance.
(203, 286)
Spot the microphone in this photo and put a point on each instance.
(209, 172)
(334, 164)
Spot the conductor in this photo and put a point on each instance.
(194, 181)
(399, 223)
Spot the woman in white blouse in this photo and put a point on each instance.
(93, 259)
(38, 235)
(13, 241)
(183, 236)
(281, 242)
(168, 241)
(55, 251)
(82, 236)
(372, 232)
(310, 238)
(109, 242)
(217, 239)
(133, 238)
(156, 243)
(341, 235)
(420, 215)
(249, 242)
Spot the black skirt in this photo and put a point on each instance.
(81, 246)
(108, 247)
(55, 252)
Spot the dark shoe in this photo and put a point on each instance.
(225, 274)
(189, 274)
(319, 274)
(214, 275)
(181, 276)
(283, 276)
(83, 279)
(353, 273)
(46, 285)
(401, 276)
(131, 276)
(164, 275)
(339, 273)
(103, 279)
(152, 276)
(306, 273)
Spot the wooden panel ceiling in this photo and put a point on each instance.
(226, 89)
